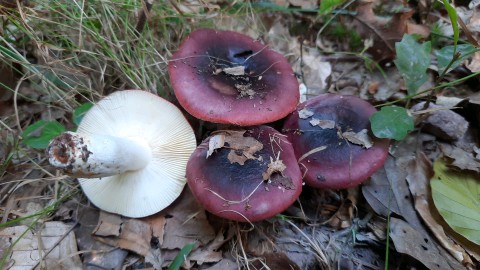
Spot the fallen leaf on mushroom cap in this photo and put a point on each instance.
(242, 148)
(305, 113)
(419, 173)
(360, 138)
(322, 123)
(217, 141)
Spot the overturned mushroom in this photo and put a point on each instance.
(130, 152)
(245, 175)
(333, 142)
(227, 77)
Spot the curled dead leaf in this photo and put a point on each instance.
(275, 166)
(215, 142)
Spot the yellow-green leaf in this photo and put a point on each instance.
(456, 195)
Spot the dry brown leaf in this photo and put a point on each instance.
(418, 29)
(135, 234)
(108, 225)
(384, 32)
(30, 250)
(415, 243)
(211, 252)
(187, 222)
(344, 215)
(224, 264)
(462, 159)
(474, 64)
(324, 124)
(420, 172)
(403, 156)
(360, 138)
(378, 192)
(242, 148)
(315, 71)
(234, 71)
(170, 230)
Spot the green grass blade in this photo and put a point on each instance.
(181, 256)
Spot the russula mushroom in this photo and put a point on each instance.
(245, 175)
(332, 140)
(135, 145)
(229, 78)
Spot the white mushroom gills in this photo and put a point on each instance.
(94, 155)
(129, 153)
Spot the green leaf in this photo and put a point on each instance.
(391, 122)
(412, 61)
(39, 134)
(80, 111)
(456, 195)
(452, 13)
(326, 6)
(180, 258)
(445, 56)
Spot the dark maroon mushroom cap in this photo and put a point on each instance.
(227, 77)
(245, 192)
(327, 157)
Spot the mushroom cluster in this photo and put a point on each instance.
(130, 152)
(229, 78)
(247, 172)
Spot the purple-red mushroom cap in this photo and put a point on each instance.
(245, 175)
(333, 141)
(227, 77)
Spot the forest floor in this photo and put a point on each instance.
(58, 58)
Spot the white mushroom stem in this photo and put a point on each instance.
(93, 156)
